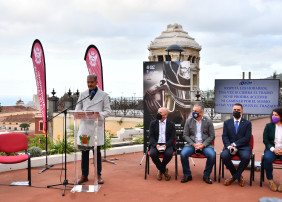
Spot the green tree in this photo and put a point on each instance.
(25, 126)
(0, 107)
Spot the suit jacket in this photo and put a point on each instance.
(243, 136)
(269, 135)
(100, 103)
(169, 133)
(190, 131)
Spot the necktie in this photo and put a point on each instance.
(236, 126)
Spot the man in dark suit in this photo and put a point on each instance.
(162, 135)
(236, 136)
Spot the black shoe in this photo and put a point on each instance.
(186, 178)
(207, 179)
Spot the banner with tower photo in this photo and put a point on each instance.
(166, 84)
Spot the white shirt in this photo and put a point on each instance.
(162, 127)
(198, 137)
(278, 138)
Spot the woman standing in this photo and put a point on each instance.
(272, 138)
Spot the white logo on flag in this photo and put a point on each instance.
(37, 54)
(92, 58)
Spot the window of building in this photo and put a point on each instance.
(41, 126)
(160, 58)
(16, 128)
(189, 58)
(16, 123)
(195, 81)
(9, 128)
(193, 59)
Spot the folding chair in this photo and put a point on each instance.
(11, 143)
(278, 165)
(203, 156)
(161, 155)
(237, 158)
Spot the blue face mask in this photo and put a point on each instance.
(195, 115)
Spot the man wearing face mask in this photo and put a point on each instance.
(162, 135)
(236, 136)
(199, 135)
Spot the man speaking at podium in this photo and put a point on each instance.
(98, 101)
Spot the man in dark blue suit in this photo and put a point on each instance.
(236, 136)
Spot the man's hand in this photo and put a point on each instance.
(277, 151)
(198, 146)
(161, 146)
(234, 150)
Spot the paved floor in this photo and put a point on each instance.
(125, 181)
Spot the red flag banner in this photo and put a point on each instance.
(94, 63)
(37, 55)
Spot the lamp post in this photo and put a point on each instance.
(198, 95)
(174, 48)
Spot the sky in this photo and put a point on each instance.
(235, 35)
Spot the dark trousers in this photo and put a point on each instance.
(268, 158)
(154, 153)
(244, 155)
(85, 162)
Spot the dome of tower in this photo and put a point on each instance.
(174, 35)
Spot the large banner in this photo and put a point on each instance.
(166, 84)
(37, 55)
(94, 64)
(258, 96)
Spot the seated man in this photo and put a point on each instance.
(236, 136)
(199, 135)
(162, 135)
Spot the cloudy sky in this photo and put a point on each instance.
(235, 35)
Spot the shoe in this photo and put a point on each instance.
(82, 179)
(241, 181)
(207, 179)
(273, 186)
(280, 187)
(100, 180)
(229, 181)
(186, 178)
(159, 176)
(167, 176)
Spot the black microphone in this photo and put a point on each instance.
(92, 93)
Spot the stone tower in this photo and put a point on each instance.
(176, 35)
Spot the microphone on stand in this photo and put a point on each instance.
(92, 93)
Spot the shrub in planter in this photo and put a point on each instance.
(35, 151)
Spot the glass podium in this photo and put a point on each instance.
(85, 138)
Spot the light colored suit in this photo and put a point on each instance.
(100, 103)
(190, 130)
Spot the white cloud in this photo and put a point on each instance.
(235, 36)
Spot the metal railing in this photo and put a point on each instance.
(127, 106)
